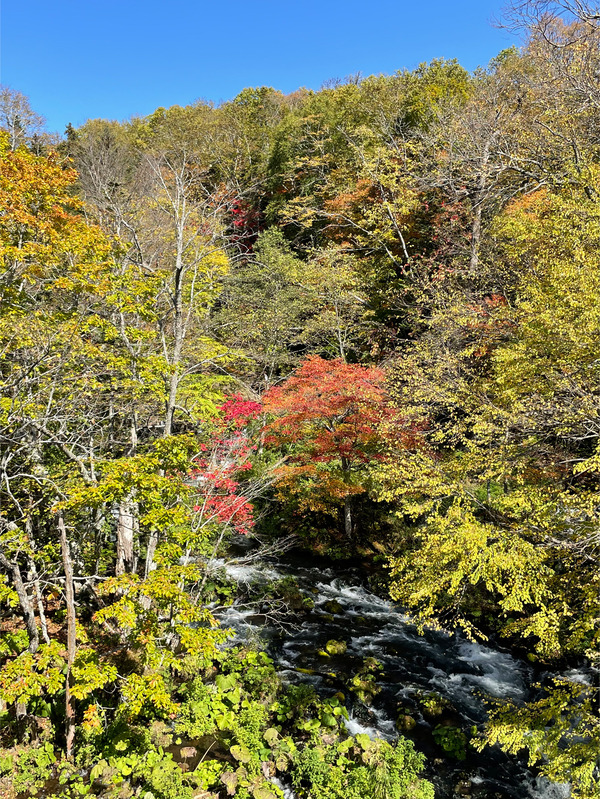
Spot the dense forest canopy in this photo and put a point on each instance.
(366, 317)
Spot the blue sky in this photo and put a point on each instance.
(80, 59)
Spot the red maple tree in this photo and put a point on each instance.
(327, 414)
(221, 500)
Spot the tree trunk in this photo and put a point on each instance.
(479, 199)
(173, 385)
(28, 617)
(178, 331)
(34, 578)
(348, 521)
(475, 238)
(152, 544)
(40, 601)
(128, 523)
(71, 636)
(24, 600)
(126, 529)
(348, 525)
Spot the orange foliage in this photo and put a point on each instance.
(328, 415)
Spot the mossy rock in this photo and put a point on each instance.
(333, 606)
(333, 647)
(463, 788)
(433, 704)
(406, 723)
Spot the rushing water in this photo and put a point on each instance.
(462, 672)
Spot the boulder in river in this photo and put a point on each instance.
(333, 606)
(333, 647)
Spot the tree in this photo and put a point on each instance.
(498, 501)
(55, 267)
(70, 388)
(561, 60)
(154, 184)
(327, 415)
(262, 312)
(17, 118)
(540, 15)
(276, 308)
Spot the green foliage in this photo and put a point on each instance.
(13, 643)
(333, 647)
(152, 770)
(452, 740)
(497, 496)
(31, 675)
(353, 769)
(432, 89)
(433, 704)
(364, 683)
(560, 733)
(291, 732)
(31, 769)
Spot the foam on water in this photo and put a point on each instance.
(542, 788)
(356, 597)
(287, 792)
(355, 727)
(244, 572)
(236, 614)
(582, 676)
(488, 673)
(385, 725)
(238, 619)
(387, 636)
(502, 677)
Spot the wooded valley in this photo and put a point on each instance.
(361, 324)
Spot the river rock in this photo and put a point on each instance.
(463, 788)
(336, 647)
(406, 723)
(432, 704)
(160, 734)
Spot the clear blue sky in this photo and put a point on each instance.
(80, 59)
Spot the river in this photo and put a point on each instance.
(414, 666)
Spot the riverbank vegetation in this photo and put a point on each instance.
(365, 317)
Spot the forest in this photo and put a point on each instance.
(352, 328)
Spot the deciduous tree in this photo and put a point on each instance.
(327, 415)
